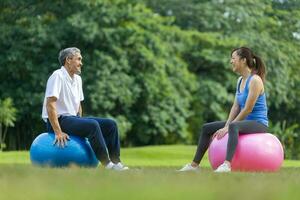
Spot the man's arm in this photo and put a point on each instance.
(80, 110)
(60, 137)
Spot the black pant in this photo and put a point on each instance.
(208, 129)
(102, 134)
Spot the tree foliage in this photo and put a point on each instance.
(7, 119)
(270, 28)
(133, 70)
(160, 67)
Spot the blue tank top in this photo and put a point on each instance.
(260, 110)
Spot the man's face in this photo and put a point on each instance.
(75, 63)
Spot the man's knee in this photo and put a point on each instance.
(112, 123)
(93, 129)
(92, 124)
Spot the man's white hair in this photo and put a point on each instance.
(65, 53)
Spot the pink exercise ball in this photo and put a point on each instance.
(254, 152)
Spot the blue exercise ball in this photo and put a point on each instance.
(78, 151)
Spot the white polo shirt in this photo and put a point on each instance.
(68, 92)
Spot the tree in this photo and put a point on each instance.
(7, 118)
(160, 70)
(141, 78)
(270, 28)
(133, 70)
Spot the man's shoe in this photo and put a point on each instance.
(120, 167)
(110, 165)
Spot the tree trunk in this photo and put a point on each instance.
(0, 136)
(4, 133)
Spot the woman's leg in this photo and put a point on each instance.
(242, 127)
(208, 130)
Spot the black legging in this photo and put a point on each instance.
(208, 129)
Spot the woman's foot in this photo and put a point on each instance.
(225, 167)
(189, 167)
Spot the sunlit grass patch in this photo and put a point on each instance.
(153, 175)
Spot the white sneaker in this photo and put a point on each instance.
(223, 168)
(110, 165)
(120, 167)
(188, 167)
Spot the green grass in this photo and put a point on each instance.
(152, 176)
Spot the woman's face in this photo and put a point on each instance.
(236, 62)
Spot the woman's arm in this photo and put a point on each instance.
(235, 109)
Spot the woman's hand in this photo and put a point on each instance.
(221, 133)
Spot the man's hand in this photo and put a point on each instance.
(221, 133)
(61, 139)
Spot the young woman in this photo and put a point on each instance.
(248, 113)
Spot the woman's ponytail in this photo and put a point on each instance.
(260, 67)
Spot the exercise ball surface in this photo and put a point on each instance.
(254, 152)
(76, 152)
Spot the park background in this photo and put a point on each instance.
(161, 68)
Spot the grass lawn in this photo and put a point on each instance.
(152, 176)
